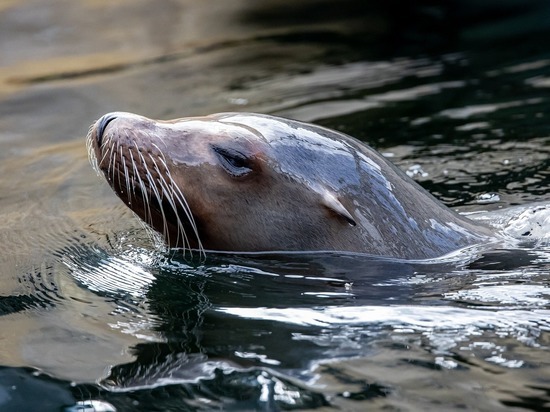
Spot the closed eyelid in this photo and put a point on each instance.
(236, 163)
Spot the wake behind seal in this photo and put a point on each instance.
(247, 182)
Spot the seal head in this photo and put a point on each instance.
(250, 182)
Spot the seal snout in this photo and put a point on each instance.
(102, 125)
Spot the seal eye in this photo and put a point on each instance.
(233, 161)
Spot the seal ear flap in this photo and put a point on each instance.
(333, 204)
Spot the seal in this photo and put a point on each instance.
(245, 182)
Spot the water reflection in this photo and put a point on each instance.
(234, 312)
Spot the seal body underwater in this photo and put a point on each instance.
(248, 182)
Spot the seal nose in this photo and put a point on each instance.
(102, 124)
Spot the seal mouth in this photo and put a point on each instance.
(138, 172)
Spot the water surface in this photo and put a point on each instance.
(94, 311)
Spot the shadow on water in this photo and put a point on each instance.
(94, 316)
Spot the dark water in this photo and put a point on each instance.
(94, 314)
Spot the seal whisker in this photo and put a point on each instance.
(130, 186)
(119, 148)
(112, 164)
(187, 210)
(144, 193)
(105, 154)
(165, 232)
(182, 201)
(107, 144)
(113, 167)
(170, 198)
(106, 151)
(148, 216)
(158, 148)
(161, 154)
(90, 149)
(126, 176)
(134, 170)
(180, 229)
